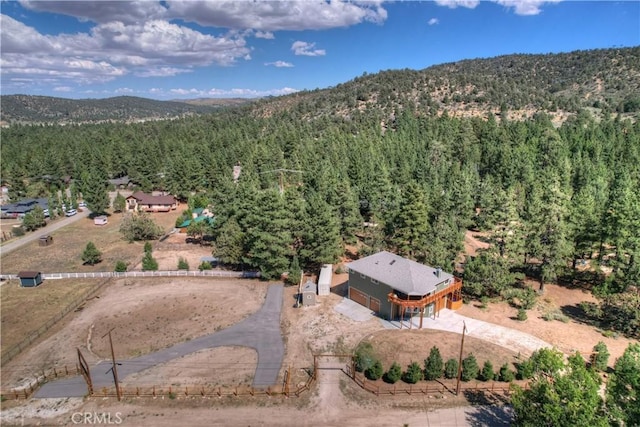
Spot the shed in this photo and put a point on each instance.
(45, 240)
(30, 279)
(309, 293)
(324, 280)
(100, 220)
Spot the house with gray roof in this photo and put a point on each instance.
(394, 287)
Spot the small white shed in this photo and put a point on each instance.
(324, 280)
(100, 220)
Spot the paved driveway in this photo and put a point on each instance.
(57, 224)
(260, 331)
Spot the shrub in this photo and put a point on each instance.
(393, 374)
(522, 314)
(433, 365)
(364, 357)
(525, 370)
(140, 226)
(91, 255)
(121, 267)
(148, 248)
(375, 371)
(506, 374)
(183, 264)
(149, 263)
(451, 369)
(487, 371)
(600, 356)
(470, 368)
(413, 373)
(204, 265)
(17, 231)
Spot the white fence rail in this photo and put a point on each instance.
(165, 273)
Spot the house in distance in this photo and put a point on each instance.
(140, 201)
(392, 286)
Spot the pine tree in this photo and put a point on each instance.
(433, 365)
(412, 223)
(119, 203)
(94, 191)
(451, 369)
(470, 368)
(268, 236)
(91, 255)
(229, 243)
(413, 374)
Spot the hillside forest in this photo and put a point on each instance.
(550, 199)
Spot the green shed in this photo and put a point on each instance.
(30, 279)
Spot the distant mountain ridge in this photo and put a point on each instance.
(603, 81)
(45, 109)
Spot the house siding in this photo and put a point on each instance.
(379, 291)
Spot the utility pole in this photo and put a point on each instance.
(114, 370)
(464, 330)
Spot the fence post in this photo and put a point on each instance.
(186, 391)
(154, 391)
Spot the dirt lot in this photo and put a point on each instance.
(146, 315)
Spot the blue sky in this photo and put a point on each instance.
(212, 49)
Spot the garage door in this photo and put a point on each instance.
(374, 304)
(357, 296)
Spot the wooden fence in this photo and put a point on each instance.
(46, 375)
(16, 349)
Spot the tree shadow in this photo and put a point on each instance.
(489, 409)
(578, 314)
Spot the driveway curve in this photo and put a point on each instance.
(260, 331)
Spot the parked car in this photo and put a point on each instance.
(82, 205)
(71, 212)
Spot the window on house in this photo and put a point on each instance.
(363, 276)
(374, 281)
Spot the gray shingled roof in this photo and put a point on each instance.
(402, 274)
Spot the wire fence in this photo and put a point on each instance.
(24, 392)
(14, 350)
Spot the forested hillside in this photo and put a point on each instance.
(46, 109)
(551, 198)
(603, 81)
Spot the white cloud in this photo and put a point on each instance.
(224, 93)
(113, 49)
(265, 35)
(469, 4)
(521, 7)
(277, 15)
(62, 89)
(280, 64)
(525, 7)
(130, 12)
(124, 90)
(306, 49)
(433, 21)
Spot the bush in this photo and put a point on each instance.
(375, 371)
(148, 248)
(506, 374)
(121, 267)
(433, 365)
(451, 369)
(525, 370)
(394, 374)
(204, 265)
(487, 371)
(522, 314)
(470, 368)
(91, 255)
(364, 357)
(17, 231)
(600, 356)
(183, 264)
(140, 226)
(149, 263)
(413, 373)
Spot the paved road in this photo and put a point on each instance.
(11, 246)
(260, 331)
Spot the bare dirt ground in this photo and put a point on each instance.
(145, 315)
